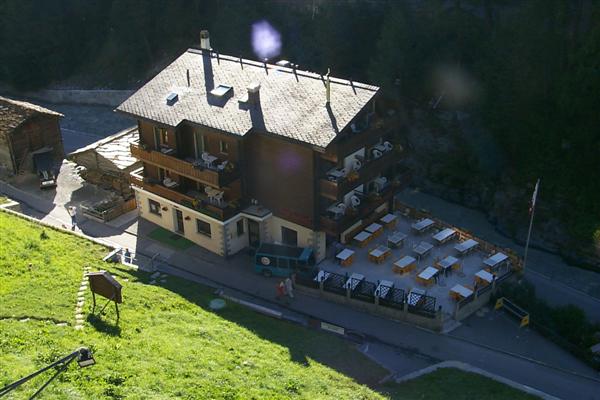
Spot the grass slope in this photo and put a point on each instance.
(168, 344)
(452, 383)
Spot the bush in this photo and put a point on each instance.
(567, 325)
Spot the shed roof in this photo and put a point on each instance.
(292, 102)
(114, 148)
(13, 113)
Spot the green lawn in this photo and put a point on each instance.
(3, 200)
(168, 344)
(452, 383)
(170, 239)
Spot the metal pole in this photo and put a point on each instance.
(21, 381)
(60, 370)
(530, 222)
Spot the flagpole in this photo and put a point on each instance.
(533, 201)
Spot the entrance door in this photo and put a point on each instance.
(178, 221)
(253, 234)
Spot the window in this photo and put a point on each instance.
(203, 227)
(199, 143)
(224, 147)
(156, 137)
(154, 206)
(240, 227)
(164, 136)
(289, 236)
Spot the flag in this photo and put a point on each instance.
(534, 197)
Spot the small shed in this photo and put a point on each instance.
(108, 162)
(24, 129)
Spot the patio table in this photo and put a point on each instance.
(427, 276)
(423, 249)
(405, 264)
(379, 254)
(459, 292)
(346, 257)
(422, 225)
(389, 220)
(363, 238)
(483, 277)
(466, 246)
(383, 288)
(447, 264)
(496, 261)
(375, 229)
(444, 235)
(353, 281)
(396, 239)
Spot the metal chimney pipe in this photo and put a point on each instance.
(204, 40)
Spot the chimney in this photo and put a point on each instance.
(328, 87)
(254, 93)
(204, 40)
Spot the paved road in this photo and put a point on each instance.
(555, 281)
(408, 341)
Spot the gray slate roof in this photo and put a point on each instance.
(292, 104)
(13, 113)
(114, 148)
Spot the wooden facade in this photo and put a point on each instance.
(284, 176)
(37, 132)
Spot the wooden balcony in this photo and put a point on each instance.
(369, 171)
(218, 212)
(207, 176)
(349, 142)
(365, 211)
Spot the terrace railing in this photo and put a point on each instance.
(394, 298)
(335, 284)
(364, 290)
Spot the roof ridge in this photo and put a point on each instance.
(29, 106)
(275, 67)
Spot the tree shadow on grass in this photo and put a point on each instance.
(103, 326)
(304, 345)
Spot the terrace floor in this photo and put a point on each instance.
(470, 264)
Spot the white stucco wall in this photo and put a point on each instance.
(306, 237)
(214, 243)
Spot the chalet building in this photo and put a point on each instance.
(26, 130)
(237, 152)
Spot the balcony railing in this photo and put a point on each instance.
(370, 170)
(365, 210)
(184, 168)
(222, 212)
(351, 142)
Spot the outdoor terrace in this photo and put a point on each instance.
(462, 274)
(212, 171)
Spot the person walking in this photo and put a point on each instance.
(289, 287)
(73, 213)
(280, 290)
